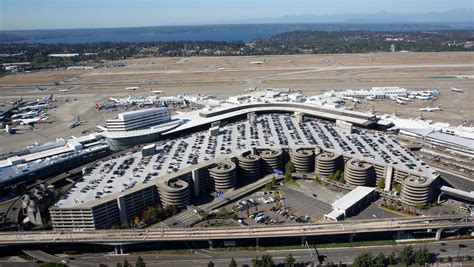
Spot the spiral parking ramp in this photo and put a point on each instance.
(359, 173)
(223, 175)
(302, 159)
(416, 191)
(271, 159)
(326, 164)
(249, 167)
(174, 192)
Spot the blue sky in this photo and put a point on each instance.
(61, 14)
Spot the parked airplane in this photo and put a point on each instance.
(135, 100)
(423, 97)
(31, 121)
(27, 115)
(74, 123)
(401, 102)
(454, 89)
(33, 107)
(403, 98)
(353, 99)
(428, 109)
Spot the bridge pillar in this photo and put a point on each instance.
(438, 234)
(351, 237)
(118, 249)
(257, 242)
(210, 244)
(303, 240)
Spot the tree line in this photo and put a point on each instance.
(293, 42)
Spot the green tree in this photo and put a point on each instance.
(392, 258)
(379, 260)
(407, 255)
(381, 183)
(422, 256)
(232, 263)
(126, 263)
(364, 260)
(290, 167)
(274, 181)
(265, 261)
(398, 188)
(341, 179)
(290, 261)
(140, 262)
(269, 186)
(150, 215)
(256, 262)
(210, 264)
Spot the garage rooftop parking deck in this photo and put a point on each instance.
(122, 173)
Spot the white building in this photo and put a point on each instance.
(351, 203)
(139, 119)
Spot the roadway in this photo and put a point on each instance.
(235, 194)
(234, 233)
(223, 258)
(42, 256)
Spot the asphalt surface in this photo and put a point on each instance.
(305, 205)
(336, 255)
(456, 181)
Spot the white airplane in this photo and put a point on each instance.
(454, 89)
(26, 115)
(134, 100)
(371, 98)
(431, 92)
(34, 107)
(428, 109)
(133, 88)
(74, 123)
(401, 102)
(31, 121)
(403, 98)
(353, 99)
(423, 97)
(156, 92)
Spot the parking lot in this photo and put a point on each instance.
(303, 204)
(263, 208)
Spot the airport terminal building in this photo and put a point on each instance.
(251, 141)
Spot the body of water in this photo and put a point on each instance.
(199, 36)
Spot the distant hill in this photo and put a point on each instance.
(454, 15)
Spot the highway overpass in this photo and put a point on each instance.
(117, 237)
